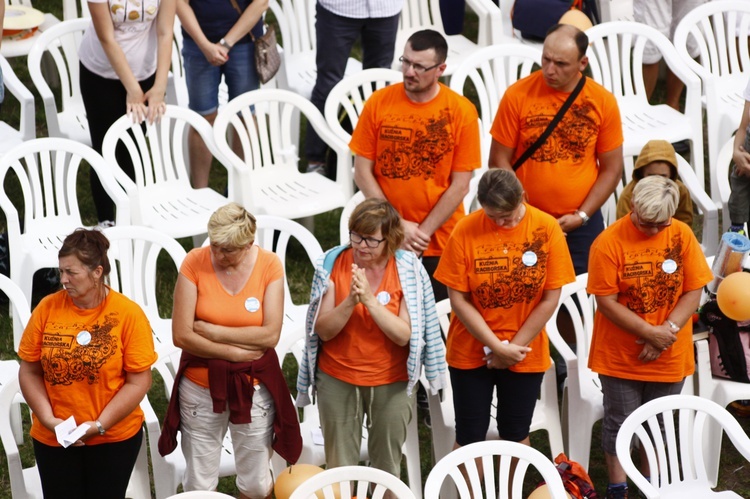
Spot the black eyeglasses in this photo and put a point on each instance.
(371, 242)
(418, 68)
(652, 225)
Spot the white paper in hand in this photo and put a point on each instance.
(68, 433)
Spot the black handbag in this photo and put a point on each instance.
(533, 18)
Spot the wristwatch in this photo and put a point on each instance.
(225, 44)
(99, 427)
(673, 326)
(583, 216)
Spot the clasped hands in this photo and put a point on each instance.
(659, 339)
(145, 106)
(359, 290)
(509, 355)
(414, 238)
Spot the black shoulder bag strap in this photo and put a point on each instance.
(552, 124)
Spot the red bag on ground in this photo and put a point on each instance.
(576, 481)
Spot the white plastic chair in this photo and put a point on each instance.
(582, 404)
(21, 47)
(274, 234)
(442, 416)
(10, 136)
(718, 28)
(496, 479)
(348, 97)
(20, 311)
(73, 9)
(676, 457)
(24, 482)
(417, 15)
(296, 22)
(200, 494)
(723, 166)
(352, 481)
(161, 196)
(46, 170)
(487, 73)
(134, 255)
(269, 174)
(719, 390)
(62, 41)
(706, 206)
(616, 59)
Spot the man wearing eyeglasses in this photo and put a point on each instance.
(416, 145)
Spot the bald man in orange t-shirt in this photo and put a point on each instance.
(416, 145)
(571, 175)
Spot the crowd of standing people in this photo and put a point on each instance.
(372, 327)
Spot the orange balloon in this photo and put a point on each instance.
(292, 477)
(576, 18)
(542, 492)
(733, 296)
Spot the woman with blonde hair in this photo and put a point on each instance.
(646, 271)
(228, 308)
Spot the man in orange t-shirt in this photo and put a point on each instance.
(416, 145)
(572, 174)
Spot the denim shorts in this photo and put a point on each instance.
(203, 79)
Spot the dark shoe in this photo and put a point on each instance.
(617, 493)
(682, 147)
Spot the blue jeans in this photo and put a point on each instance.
(203, 79)
(335, 37)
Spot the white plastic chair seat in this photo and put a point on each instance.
(177, 212)
(289, 192)
(642, 123)
(73, 123)
(22, 47)
(299, 72)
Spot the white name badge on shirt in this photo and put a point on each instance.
(669, 266)
(83, 338)
(384, 298)
(529, 258)
(252, 304)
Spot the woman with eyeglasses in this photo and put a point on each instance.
(504, 266)
(371, 326)
(646, 272)
(228, 309)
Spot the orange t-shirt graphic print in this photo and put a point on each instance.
(506, 271)
(416, 147)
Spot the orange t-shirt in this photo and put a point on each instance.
(649, 275)
(81, 379)
(416, 147)
(361, 354)
(217, 306)
(559, 175)
(506, 271)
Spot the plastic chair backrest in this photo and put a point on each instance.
(61, 42)
(24, 482)
(354, 481)
(296, 21)
(670, 430)
(496, 479)
(9, 137)
(20, 309)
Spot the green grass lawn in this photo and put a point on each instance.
(735, 474)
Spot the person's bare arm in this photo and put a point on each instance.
(538, 317)
(31, 380)
(501, 156)
(331, 317)
(154, 96)
(740, 156)
(254, 337)
(247, 21)
(185, 337)
(610, 174)
(447, 204)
